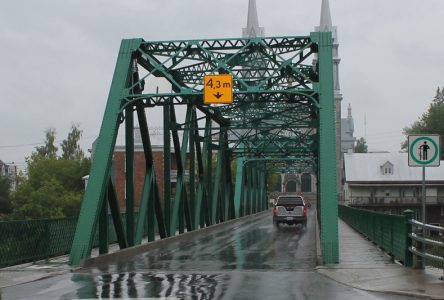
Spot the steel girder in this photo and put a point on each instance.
(282, 118)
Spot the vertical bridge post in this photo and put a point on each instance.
(327, 150)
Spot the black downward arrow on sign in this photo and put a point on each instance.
(218, 95)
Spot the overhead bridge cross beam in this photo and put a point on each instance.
(282, 116)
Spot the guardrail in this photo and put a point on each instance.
(429, 244)
(32, 240)
(401, 236)
(394, 200)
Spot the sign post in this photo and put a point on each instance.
(424, 152)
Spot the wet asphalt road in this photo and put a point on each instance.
(247, 260)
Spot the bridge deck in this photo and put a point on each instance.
(246, 259)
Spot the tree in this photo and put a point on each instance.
(5, 199)
(431, 121)
(361, 146)
(70, 147)
(49, 149)
(54, 187)
(273, 182)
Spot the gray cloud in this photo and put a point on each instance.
(57, 57)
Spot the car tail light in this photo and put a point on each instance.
(274, 211)
(305, 210)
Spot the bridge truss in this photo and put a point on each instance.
(281, 119)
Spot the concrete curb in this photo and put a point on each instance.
(385, 291)
(319, 257)
(22, 277)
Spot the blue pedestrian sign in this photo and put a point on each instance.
(424, 150)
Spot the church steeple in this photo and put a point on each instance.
(349, 112)
(253, 29)
(325, 24)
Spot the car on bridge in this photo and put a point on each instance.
(290, 209)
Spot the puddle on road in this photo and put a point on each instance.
(152, 285)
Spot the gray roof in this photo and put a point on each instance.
(366, 167)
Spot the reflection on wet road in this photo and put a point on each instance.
(255, 245)
(248, 260)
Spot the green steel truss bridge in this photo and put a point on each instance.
(282, 119)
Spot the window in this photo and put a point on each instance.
(387, 168)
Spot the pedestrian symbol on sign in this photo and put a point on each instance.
(423, 151)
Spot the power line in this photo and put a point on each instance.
(40, 143)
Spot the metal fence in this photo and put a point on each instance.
(389, 232)
(32, 240)
(394, 200)
(428, 244)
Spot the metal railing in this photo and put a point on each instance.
(394, 200)
(429, 244)
(401, 236)
(32, 240)
(389, 232)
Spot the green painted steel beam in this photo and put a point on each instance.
(100, 168)
(327, 151)
(192, 166)
(216, 191)
(129, 174)
(167, 168)
(144, 212)
(181, 154)
(239, 185)
(116, 216)
(103, 229)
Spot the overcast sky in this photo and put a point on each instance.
(57, 57)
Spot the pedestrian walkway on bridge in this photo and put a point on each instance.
(363, 265)
(241, 258)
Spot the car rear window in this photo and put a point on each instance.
(294, 200)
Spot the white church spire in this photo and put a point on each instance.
(252, 29)
(325, 24)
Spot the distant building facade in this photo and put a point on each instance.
(9, 171)
(384, 182)
(119, 166)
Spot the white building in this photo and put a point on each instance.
(9, 171)
(385, 182)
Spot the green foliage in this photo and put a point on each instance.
(431, 121)
(361, 146)
(49, 149)
(5, 198)
(54, 186)
(68, 172)
(274, 182)
(70, 147)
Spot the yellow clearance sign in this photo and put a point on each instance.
(218, 89)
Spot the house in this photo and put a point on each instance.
(9, 171)
(384, 182)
